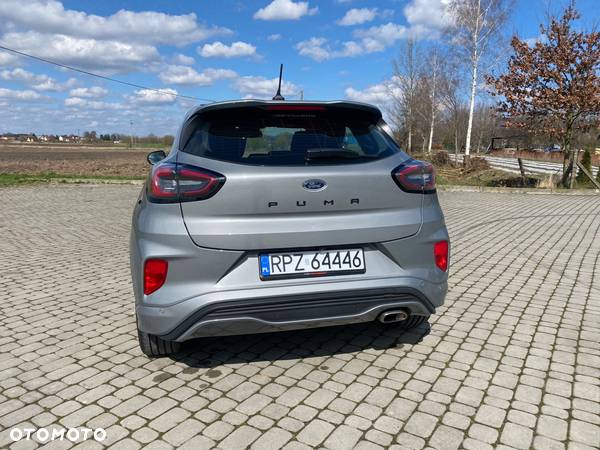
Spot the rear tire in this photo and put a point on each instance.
(155, 347)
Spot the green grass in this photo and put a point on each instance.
(157, 145)
(14, 179)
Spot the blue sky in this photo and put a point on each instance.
(214, 50)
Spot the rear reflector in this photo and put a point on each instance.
(170, 183)
(415, 176)
(155, 274)
(440, 253)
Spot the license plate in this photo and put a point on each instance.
(313, 263)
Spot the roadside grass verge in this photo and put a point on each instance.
(15, 179)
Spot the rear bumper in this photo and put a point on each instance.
(202, 316)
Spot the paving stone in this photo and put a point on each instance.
(552, 427)
(511, 360)
(490, 415)
(516, 436)
(483, 433)
(585, 433)
(343, 437)
(315, 432)
(242, 437)
(273, 439)
(421, 424)
(446, 438)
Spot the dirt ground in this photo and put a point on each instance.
(73, 160)
(90, 161)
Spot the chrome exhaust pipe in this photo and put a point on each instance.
(397, 315)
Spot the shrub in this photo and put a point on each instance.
(478, 164)
(586, 162)
(441, 158)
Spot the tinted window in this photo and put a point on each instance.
(261, 137)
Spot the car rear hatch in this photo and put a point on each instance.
(296, 176)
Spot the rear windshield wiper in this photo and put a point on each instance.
(334, 153)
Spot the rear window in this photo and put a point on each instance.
(281, 137)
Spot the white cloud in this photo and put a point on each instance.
(427, 16)
(89, 92)
(82, 103)
(314, 48)
(356, 16)
(150, 97)
(39, 82)
(147, 27)
(106, 56)
(8, 59)
(378, 38)
(22, 75)
(371, 40)
(26, 95)
(188, 76)
(426, 19)
(285, 10)
(380, 94)
(260, 87)
(319, 49)
(52, 85)
(218, 49)
(122, 42)
(184, 60)
(274, 37)
(75, 102)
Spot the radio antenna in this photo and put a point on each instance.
(278, 96)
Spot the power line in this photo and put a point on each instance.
(114, 80)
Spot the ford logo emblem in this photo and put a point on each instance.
(314, 185)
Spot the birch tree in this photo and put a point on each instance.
(477, 25)
(433, 96)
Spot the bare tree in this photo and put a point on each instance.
(477, 24)
(450, 88)
(406, 72)
(485, 122)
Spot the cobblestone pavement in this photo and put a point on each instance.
(511, 360)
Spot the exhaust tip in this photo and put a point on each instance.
(393, 316)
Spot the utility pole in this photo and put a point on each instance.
(301, 95)
(131, 134)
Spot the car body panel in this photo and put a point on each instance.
(259, 208)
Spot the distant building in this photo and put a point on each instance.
(18, 137)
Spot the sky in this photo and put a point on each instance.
(210, 50)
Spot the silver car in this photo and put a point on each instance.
(276, 215)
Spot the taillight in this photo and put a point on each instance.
(155, 274)
(440, 254)
(171, 183)
(415, 177)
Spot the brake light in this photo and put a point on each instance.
(415, 177)
(295, 108)
(170, 183)
(155, 274)
(440, 253)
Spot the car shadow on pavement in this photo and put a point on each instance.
(210, 353)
